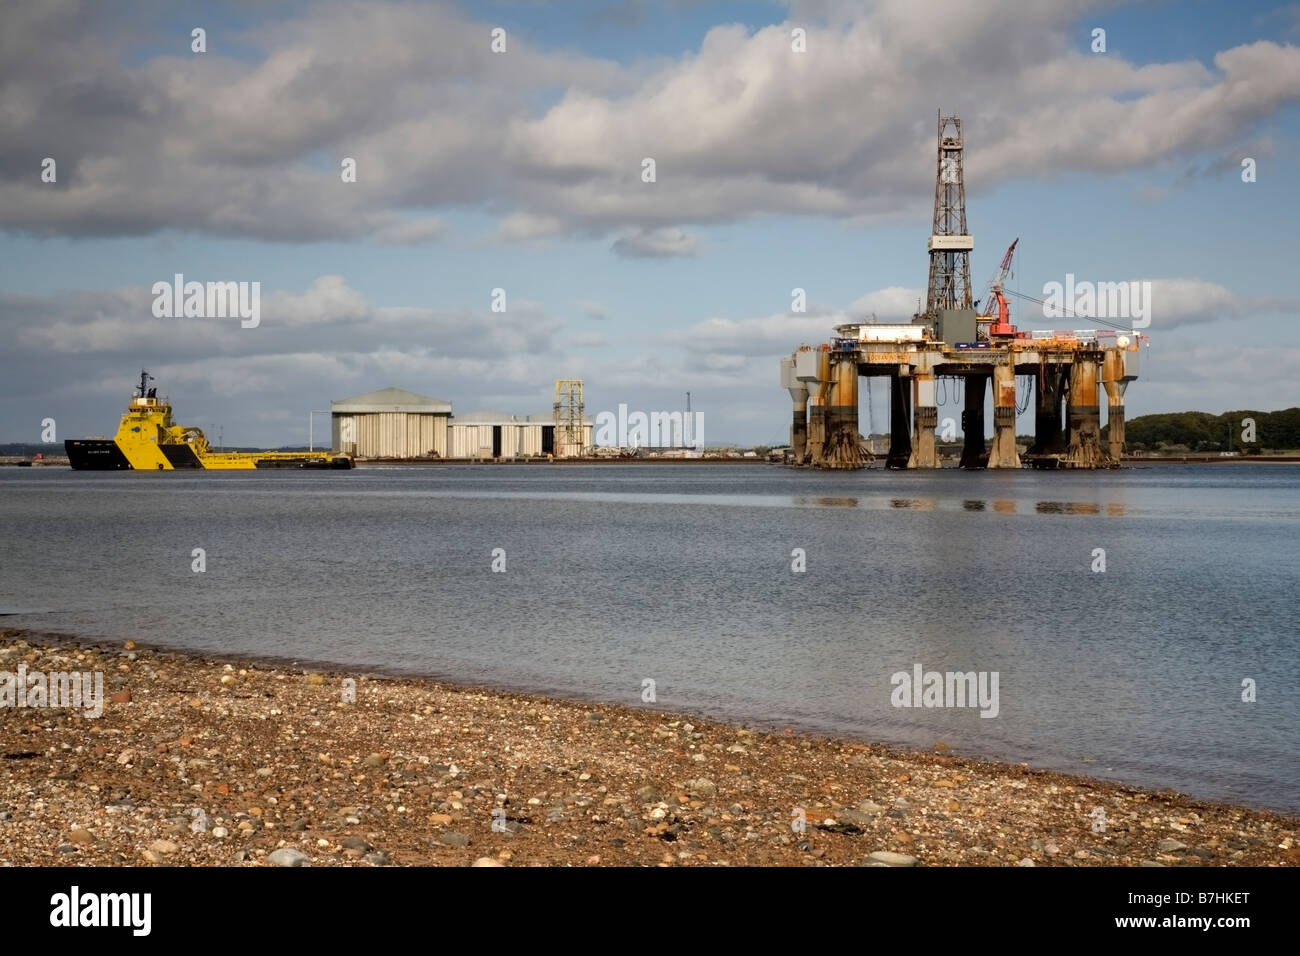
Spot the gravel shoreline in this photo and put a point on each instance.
(197, 761)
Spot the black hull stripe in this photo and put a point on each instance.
(95, 454)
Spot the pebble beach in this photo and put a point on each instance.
(205, 762)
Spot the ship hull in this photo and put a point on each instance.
(95, 454)
(104, 454)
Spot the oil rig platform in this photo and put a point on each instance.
(949, 340)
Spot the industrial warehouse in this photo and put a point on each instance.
(393, 424)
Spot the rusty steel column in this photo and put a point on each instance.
(817, 409)
(1049, 390)
(831, 417)
(926, 416)
(1084, 415)
(1112, 377)
(972, 422)
(1003, 453)
(842, 448)
(900, 421)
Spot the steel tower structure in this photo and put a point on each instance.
(950, 244)
(569, 412)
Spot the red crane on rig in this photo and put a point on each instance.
(1002, 320)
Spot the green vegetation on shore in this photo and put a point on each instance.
(1203, 432)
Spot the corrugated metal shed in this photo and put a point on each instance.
(390, 423)
(491, 434)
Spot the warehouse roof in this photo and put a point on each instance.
(501, 418)
(392, 400)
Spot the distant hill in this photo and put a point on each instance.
(1202, 432)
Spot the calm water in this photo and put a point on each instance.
(615, 574)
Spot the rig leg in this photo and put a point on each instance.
(900, 422)
(1084, 416)
(972, 423)
(799, 429)
(1115, 431)
(843, 449)
(926, 416)
(1049, 392)
(1113, 379)
(1003, 454)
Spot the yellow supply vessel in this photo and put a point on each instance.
(147, 440)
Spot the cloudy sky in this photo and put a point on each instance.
(522, 170)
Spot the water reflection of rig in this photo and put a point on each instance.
(949, 339)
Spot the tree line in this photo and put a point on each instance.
(1203, 432)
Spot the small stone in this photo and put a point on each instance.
(220, 833)
(121, 697)
(856, 818)
(454, 839)
(887, 858)
(440, 819)
(1025, 862)
(80, 836)
(163, 847)
(378, 858)
(355, 843)
(487, 861)
(288, 856)
(1170, 846)
(701, 787)
(374, 760)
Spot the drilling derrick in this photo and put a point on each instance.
(950, 244)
